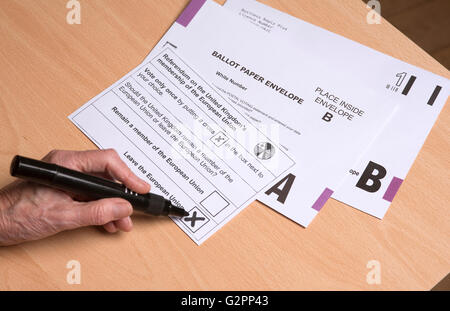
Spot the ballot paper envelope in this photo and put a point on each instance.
(321, 119)
(371, 183)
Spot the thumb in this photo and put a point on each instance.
(100, 212)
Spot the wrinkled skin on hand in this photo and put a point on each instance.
(29, 211)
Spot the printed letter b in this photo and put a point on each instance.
(327, 117)
(368, 174)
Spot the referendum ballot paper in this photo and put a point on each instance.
(175, 131)
(321, 119)
(370, 184)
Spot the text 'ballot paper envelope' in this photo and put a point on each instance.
(176, 132)
(370, 184)
(320, 118)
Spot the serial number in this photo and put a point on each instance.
(246, 300)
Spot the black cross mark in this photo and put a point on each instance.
(194, 218)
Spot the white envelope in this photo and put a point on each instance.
(300, 98)
(371, 183)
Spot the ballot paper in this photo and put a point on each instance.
(370, 184)
(324, 121)
(176, 132)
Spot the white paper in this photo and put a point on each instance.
(177, 133)
(281, 86)
(394, 150)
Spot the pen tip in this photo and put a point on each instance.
(177, 211)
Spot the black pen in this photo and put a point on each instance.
(89, 186)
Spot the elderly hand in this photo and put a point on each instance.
(29, 211)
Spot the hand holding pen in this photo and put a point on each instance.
(31, 211)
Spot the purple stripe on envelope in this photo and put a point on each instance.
(392, 189)
(323, 198)
(189, 12)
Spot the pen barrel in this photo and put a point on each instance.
(87, 186)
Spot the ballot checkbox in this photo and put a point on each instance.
(219, 139)
(214, 203)
(195, 220)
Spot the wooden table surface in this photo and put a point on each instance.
(50, 68)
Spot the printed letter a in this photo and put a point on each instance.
(284, 191)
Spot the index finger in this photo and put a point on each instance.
(108, 161)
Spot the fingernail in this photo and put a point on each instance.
(129, 222)
(122, 210)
